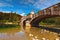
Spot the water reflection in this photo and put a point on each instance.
(40, 34)
(17, 36)
(12, 34)
(30, 33)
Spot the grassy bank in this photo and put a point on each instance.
(6, 26)
(51, 22)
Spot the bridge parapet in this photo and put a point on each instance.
(50, 11)
(53, 10)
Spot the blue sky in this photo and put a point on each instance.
(23, 7)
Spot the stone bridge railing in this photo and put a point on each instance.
(53, 10)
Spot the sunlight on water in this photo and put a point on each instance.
(27, 34)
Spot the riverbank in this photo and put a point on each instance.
(51, 26)
(53, 22)
(7, 26)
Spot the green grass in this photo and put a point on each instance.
(51, 22)
(6, 26)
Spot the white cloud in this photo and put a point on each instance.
(26, 1)
(23, 14)
(19, 11)
(6, 11)
(5, 4)
(8, 0)
(42, 4)
(39, 2)
(30, 1)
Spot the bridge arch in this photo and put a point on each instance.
(53, 11)
(35, 21)
(24, 22)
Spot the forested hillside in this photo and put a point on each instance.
(9, 17)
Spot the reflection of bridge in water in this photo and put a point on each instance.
(34, 19)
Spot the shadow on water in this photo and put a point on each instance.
(51, 29)
(55, 30)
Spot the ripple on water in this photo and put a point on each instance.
(33, 34)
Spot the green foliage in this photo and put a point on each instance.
(9, 17)
(3, 26)
(53, 20)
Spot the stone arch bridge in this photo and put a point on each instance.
(52, 11)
